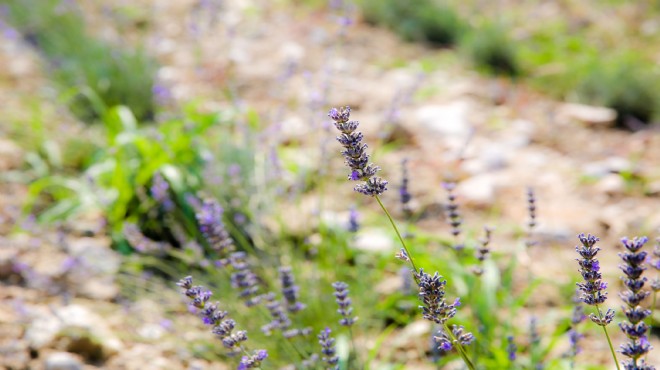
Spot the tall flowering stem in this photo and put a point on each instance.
(593, 288)
(635, 328)
(357, 160)
(431, 288)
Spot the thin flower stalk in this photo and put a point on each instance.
(593, 288)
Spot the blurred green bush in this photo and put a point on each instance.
(427, 21)
(491, 49)
(625, 84)
(93, 74)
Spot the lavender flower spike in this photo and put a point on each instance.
(593, 288)
(328, 349)
(290, 290)
(221, 326)
(432, 294)
(635, 328)
(253, 361)
(355, 154)
(209, 217)
(344, 302)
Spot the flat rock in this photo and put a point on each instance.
(374, 240)
(587, 114)
(62, 361)
(448, 120)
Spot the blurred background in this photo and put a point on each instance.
(120, 118)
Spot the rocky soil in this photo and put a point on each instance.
(60, 286)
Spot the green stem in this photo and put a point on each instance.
(609, 341)
(403, 243)
(461, 350)
(354, 349)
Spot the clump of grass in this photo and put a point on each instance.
(491, 49)
(94, 74)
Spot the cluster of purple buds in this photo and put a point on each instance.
(432, 295)
(141, 243)
(222, 326)
(635, 328)
(445, 342)
(593, 288)
(453, 215)
(328, 349)
(209, 217)
(511, 348)
(160, 192)
(243, 278)
(290, 290)
(355, 154)
(253, 361)
(404, 194)
(344, 302)
(279, 318)
(482, 251)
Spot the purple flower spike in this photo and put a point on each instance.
(355, 154)
(635, 328)
(593, 289)
(344, 302)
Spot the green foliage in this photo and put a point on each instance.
(117, 180)
(624, 84)
(94, 74)
(428, 21)
(491, 49)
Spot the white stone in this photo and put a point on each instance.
(478, 190)
(374, 240)
(449, 120)
(62, 361)
(586, 113)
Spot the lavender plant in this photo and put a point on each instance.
(431, 287)
(593, 288)
(635, 328)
